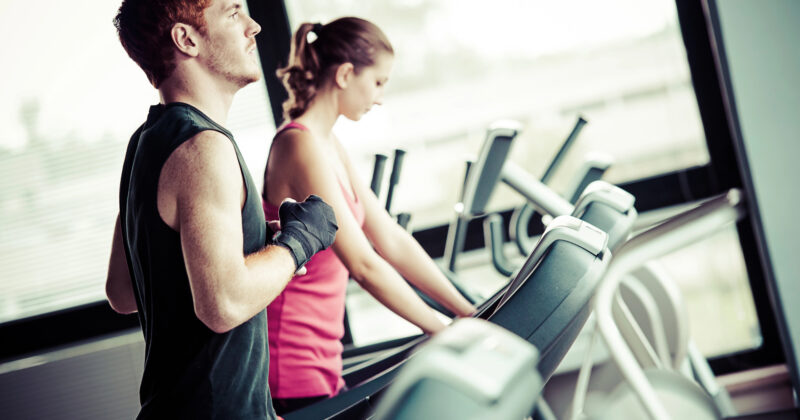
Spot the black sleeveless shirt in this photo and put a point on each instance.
(190, 371)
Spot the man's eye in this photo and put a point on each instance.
(235, 15)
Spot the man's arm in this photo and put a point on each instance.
(119, 288)
(200, 195)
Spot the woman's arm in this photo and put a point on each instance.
(303, 166)
(403, 252)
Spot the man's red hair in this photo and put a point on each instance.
(144, 28)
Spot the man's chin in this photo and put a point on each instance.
(248, 79)
(254, 78)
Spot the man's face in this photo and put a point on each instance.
(229, 44)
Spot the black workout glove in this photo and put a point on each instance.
(306, 228)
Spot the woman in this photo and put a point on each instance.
(342, 71)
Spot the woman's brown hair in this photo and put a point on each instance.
(345, 40)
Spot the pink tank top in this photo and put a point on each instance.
(306, 321)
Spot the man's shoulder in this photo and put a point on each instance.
(202, 169)
(177, 125)
(205, 146)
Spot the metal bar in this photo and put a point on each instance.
(377, 174)
(683, 229)
(534, 190)
(556, 162)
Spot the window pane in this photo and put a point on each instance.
(71, 99)
(713, 280)
(460, 66)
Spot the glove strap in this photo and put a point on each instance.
(270, 234)
(295, 248)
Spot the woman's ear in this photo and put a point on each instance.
(185, 39)
(344, 73)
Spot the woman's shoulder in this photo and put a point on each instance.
(298, 151)
(290, 140)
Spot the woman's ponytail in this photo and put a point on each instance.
(300, 74)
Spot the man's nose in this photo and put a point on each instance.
(255, 28)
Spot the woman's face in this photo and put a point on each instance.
(365, 88)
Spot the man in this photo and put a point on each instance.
(189, 248)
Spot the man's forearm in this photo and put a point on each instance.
(237, 298)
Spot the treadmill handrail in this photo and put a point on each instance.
(482, 174)
(562, 151)
(499, 138)
(678, 231)
(591, 170)
(596, 192)
(534, 190)
(377, 173)
(493, 237)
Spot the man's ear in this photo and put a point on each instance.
(185, 39)
(344, 73)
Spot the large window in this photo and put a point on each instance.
(462, 65)
(459, 66)
(70, 100)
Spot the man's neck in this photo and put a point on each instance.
(209, 96)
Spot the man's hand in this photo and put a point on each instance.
(306, 228)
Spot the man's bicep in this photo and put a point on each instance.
(208, 206)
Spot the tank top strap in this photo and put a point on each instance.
(290, 125)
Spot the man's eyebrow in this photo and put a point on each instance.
(234, 6)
